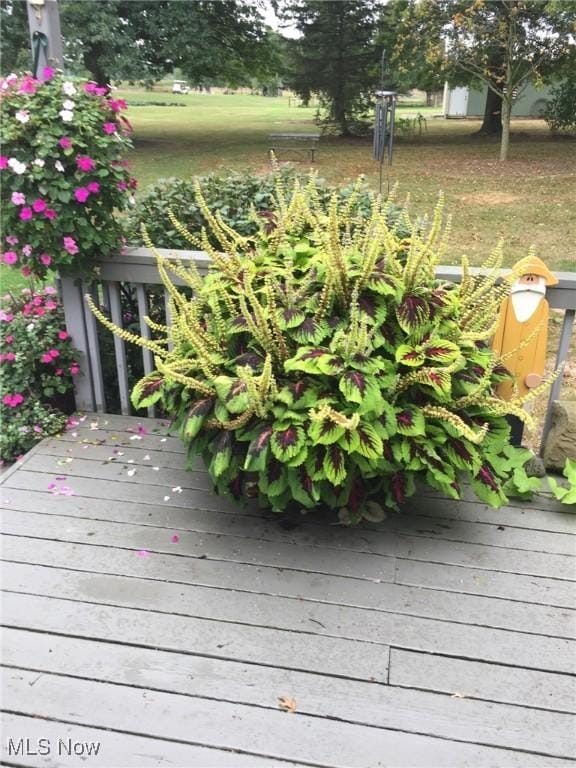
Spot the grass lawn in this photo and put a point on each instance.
(528, 201)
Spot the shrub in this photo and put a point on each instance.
(38, 363)
(241, 198)
(321, 363)
(63, 175)
(560, 113)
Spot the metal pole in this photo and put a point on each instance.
(45, 35)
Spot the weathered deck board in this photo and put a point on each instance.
(443, 637)
(349, 701)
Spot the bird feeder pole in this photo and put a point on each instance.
(45, 35)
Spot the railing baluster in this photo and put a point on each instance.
(94, 352)
(168, 313)
(73, 303)
(147, 357)
(563, 347)
(113, 290)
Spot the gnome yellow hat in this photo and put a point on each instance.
(532, 265)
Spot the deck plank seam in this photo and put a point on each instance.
(299, 713)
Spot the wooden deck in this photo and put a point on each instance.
(146, 615)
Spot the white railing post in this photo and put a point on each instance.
(72, 296)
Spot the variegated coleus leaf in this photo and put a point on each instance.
(273, 481)
(461, 454)
(410, 422)
(287, 442)
(233, 393)
(304, 489)
(362, 389)
(290, 317)
(369, 442)
(324, 432)
(413, 314)
(486, 486)
(373, 307)
(438, 380)
(409, 356)
(442, 351)
(310, 331)
(257, 452)
(301, 394)
(148, 390)
(221, 453)
(380, 281)
(196, 416)
(315, 360)
(335, 465)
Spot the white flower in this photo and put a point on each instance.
(68, 88)
(17, 166)
(39, 162)
(12, 77)
(68, 104)
(30, 327)
(132, 200)
(59, 167)
(66, 115)
(23, 116)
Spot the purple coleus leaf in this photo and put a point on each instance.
(151, 386)
(334, 465)
(261, 441)
(398, 487)
(487, 478)
(250, 359)
(287, 443)
(413, 313)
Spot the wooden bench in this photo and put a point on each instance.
(295, 142)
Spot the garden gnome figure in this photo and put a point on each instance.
(522, 312)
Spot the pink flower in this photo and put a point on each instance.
(50, 213)
(53, 353)
(26, 214)
(74, 369)
(65, 142)
(99, 91)
(122, 186)
(89, 87)
(7, 317)
(117, 104)
(45, 259)
(10, 356)
(93, 187)
(62, 335)
(50, 290)
(51, 305)
(85, 163)
(39, 206)
(3, 162)
(58, 371)
(37, 301)
(26, 271)
(46, 358)
(9, 339)
(109, 128)
(13, 401)
(28, 85)
(71, 246)
(81, 194)
(27, 250)
(47, 73)
(37, 428)
(12, 240)
(10, 257)
(18, 198)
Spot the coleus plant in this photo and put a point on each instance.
(320, 362)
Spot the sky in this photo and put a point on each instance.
(271, 19)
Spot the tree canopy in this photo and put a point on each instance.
(336, 56)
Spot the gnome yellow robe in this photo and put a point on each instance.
(525, 362)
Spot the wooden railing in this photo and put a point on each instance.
(137, 268)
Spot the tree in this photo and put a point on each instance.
(15, 40)
(503, 44)
(336, 56)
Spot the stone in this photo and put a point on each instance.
(561, 441)
(535, 467)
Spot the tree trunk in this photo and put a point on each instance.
(492, 123)
(505, 141)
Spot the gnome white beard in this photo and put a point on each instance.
(526, 298)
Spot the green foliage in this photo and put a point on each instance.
(321, 362)
(243, 199)
(335, 57)
(565, 494)
(38, 363)
(63, 178)
(560, 111)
